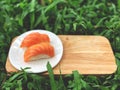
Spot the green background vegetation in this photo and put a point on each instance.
(78, 17)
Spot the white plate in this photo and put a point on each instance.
(16, 53)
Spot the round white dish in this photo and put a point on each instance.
(16, 53)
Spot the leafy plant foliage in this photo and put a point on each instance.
(82, 17)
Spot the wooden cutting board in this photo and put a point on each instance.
(87, 54)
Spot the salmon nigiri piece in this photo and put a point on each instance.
(38, 51)
(34, 38)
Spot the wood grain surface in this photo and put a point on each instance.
(87, 54)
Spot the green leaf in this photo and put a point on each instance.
(77, 80)
(19, 83)
(118, 3)
(74, 26)
(15, 76)
(51, 75)
(53, 4)
(32, 5)
(32, 20)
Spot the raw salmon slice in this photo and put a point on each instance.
(34, 38)
(38, 51)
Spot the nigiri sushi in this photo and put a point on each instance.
(38, 51)
(34, 38)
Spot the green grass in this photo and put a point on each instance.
(78, 17)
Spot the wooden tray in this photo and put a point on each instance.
(87, 54)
